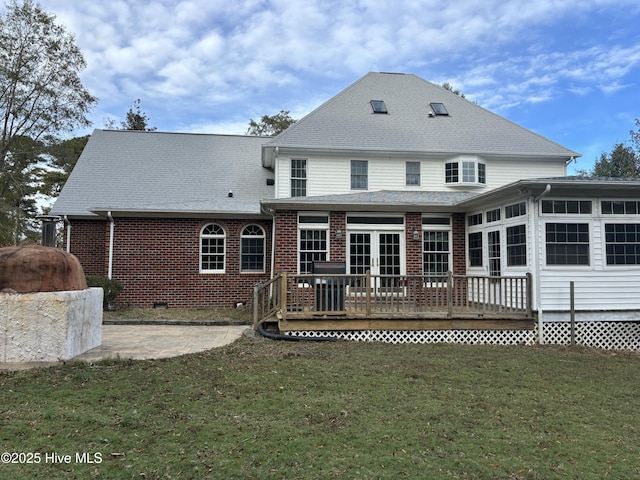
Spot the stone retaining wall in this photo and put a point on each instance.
(49, 326)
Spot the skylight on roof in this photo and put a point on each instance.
(378, 106)
(439, 109)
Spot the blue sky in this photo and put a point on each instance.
(567, 69)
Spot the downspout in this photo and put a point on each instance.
(112, 226)
(68, 224)
(273, 215)
(546, 191)
(536, 220)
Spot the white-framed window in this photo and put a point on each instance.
(212, 249)
(515, 210)
(252, 249)
(622, 243)
(465, 172)
(567, 243)
(516, 245)
(620, 207)
(475, 249)
(412, 174)
(359, 174)
(569, 207)
(436, 246)
(298, 177)
(494, 251)
(313, 240)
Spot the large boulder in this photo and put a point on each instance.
(35, 268)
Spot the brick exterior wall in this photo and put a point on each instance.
(338, 246)
(90, 243)
(158, 260)
(286, 242)
(413, 248)
(459, 248)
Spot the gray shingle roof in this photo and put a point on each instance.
(378, 200)
(347, 122)
(153, 172)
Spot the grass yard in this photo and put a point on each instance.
(261, 409)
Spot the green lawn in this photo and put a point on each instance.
(286, 410)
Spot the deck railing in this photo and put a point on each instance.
(411, 296)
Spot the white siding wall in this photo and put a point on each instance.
(598, 286)
(329, 175)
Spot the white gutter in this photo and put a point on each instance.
(111, 233)
(68, 224)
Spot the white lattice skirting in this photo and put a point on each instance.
(605, 335)
(470, 337)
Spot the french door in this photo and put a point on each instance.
(379, 252)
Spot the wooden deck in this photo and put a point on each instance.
(366, 302)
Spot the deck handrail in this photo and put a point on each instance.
(267, 298)
(366, 295)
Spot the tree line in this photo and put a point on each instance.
(43, 101)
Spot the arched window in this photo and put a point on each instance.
(252, 249)
(212, 249)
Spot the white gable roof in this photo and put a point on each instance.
(166, 173)
(347, 122)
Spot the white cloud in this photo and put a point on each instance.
(206, 64)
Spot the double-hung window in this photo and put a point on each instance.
(622, 243)
(313, 242)
(622, 237)
(359, 174)
(298, 177)
(567, 243)
(413, 174)
(436, 246)
(516, 245)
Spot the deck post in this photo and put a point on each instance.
(449, 293)
(529, 291)
(368, 292)
(283, 295)
(256, 307)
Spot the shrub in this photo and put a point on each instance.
(110, 286)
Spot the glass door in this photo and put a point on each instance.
(377, 252)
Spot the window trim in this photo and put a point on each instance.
(223, 237)
(244, 236)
